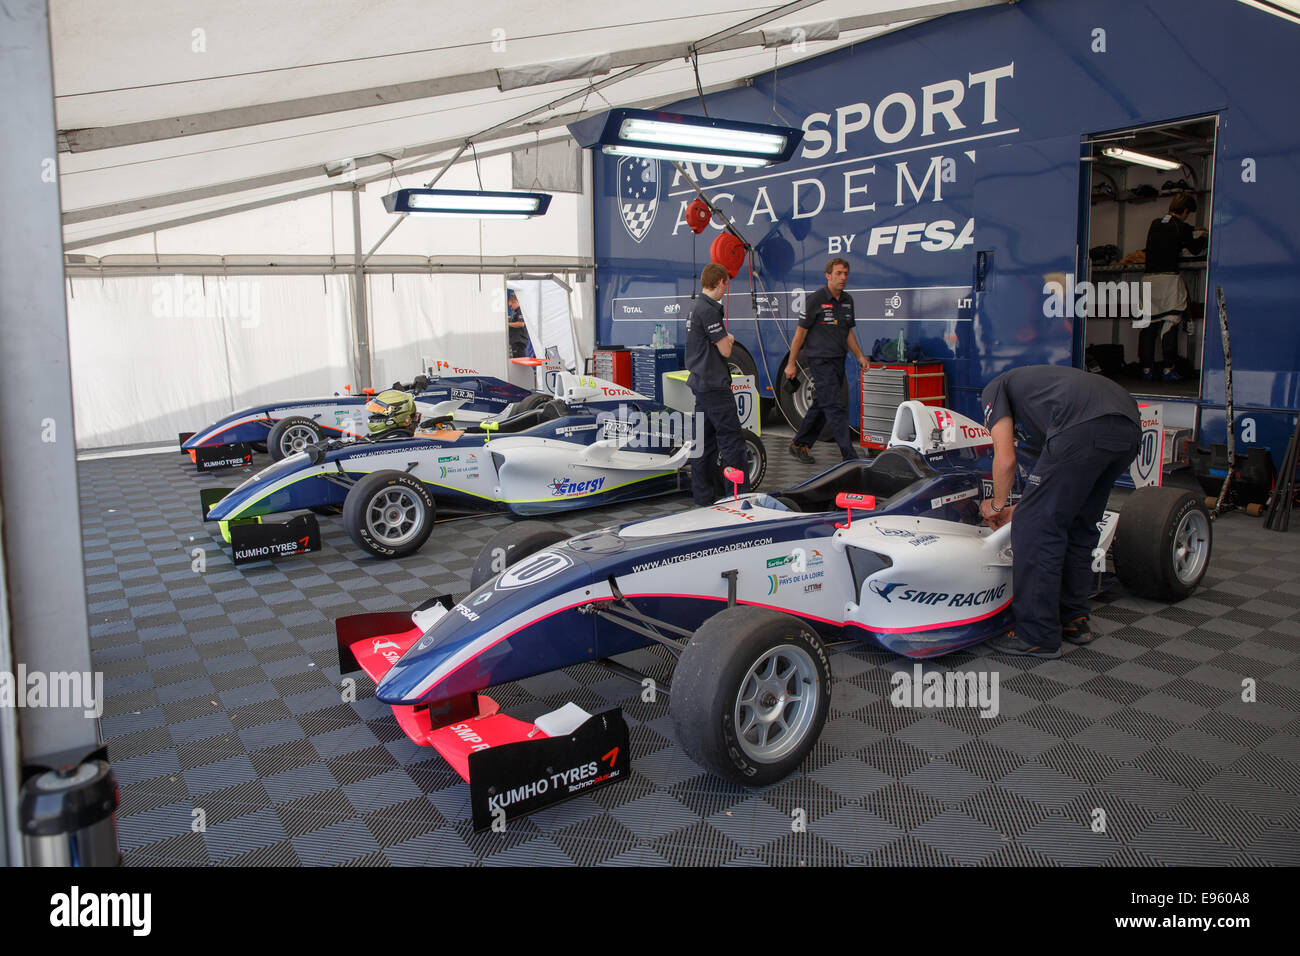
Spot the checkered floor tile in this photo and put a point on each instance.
(223, 708)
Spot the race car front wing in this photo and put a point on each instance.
(513, 767)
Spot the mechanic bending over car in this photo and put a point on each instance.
(1087, 430)
(708, 346)
(827, 330)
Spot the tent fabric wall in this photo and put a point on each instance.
(155, 356)
(450, 318)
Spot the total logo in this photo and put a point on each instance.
(734, 512)
(563, 487)
(440, 365)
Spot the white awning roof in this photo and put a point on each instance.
(174, 114)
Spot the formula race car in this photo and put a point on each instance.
(601, 443)
(746, 592)
(288, 427)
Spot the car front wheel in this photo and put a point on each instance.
(750, 694)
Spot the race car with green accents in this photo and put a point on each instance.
(595, 443)
(290, 426)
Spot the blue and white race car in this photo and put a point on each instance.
(288, 427)
(598, 444)
(746, 593)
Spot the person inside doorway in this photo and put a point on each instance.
(520, 345)
(1166, 240)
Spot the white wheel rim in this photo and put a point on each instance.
(776, 704)
(1191, 547)
(296, 438)
(395, 516)
(803, 397)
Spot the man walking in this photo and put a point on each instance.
(708, 345)
(825, 336)
(1088, 431)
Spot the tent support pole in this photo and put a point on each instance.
(361, 331)
(43, 618)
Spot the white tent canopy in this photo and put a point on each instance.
(252, 142)
(269, 95)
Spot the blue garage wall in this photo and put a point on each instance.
(1031, 87)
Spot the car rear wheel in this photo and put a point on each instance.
(795, 405)
(510, 546)
(389, 514)
(292, 435)
(755, 461)
(1162, 543)
(750, 694)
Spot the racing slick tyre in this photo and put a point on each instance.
(750, 694)
(389, 513)
(794, 406)
(740, 362)
(755, 459)
(290, 435)
(1162, 543)
(755, 462)
(510, 546)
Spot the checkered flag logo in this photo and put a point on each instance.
(638, 194)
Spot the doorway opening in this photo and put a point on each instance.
(1144, 322)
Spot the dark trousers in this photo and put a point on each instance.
(1147, 344)
(828, 407)
(721, 432)
(1054, 527)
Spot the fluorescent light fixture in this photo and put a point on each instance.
(673, 136)
(1286, 9)
(459, 203)
(1141, 159)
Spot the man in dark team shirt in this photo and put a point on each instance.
(1166, 240)
(518, 331)
(708, 345)
(1087, 430)
(824, 337)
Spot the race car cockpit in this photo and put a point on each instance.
(892, 471)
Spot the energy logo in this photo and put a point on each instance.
(562, 487)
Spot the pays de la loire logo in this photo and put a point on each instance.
(638, 194)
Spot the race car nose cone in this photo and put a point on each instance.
(402, 684)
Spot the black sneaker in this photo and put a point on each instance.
(1010, 644)
(1078, 631)
(801, 452)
